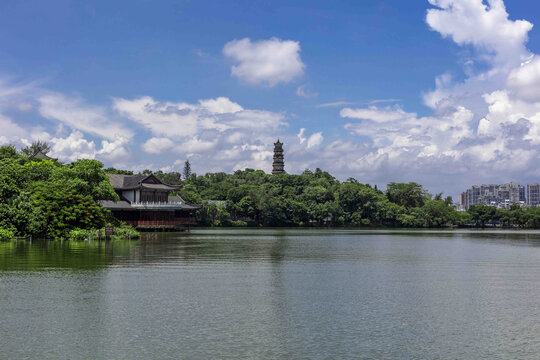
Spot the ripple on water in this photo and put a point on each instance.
(317, 294)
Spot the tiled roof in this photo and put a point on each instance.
(119, 182)
(115, 205)
(186, 206)
(40, 155)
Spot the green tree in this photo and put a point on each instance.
(187, 169)
(436, 213)
(482, 214)
(85, 177)
(35, 147)
(407, 194)
(63, 210)
(8, 151)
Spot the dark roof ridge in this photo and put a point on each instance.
(122, 181)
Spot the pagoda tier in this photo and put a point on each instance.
(278, 167)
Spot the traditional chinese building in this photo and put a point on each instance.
(146, 204)
(278, 167)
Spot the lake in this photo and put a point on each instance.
(274, 294)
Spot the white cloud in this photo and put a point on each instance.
(73, 113)
(375, 114)
(301, 136)
(315, 140)
(197, 146)
(524, 80)
(9, 128)
(175, 119)
(157, 145)
(302, 92)
(114, 150)
(217, 134)
(75, 146)
(485, 128)
(183, 120)
(221, 105)
(484, 25)
(334, 104)
(267, 62)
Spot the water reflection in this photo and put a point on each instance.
(39, 255)
(267, 294)
(228, 245)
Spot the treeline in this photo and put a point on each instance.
(252, 197)
(47, 199)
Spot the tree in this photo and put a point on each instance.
(437, 213)
(482, 214)
(35, 147)
(112, 170)
(8, 151)
(187, 170)
(85, 177)
(171, 178)
(407, 194)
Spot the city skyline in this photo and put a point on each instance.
(138, 86)
(501, 195)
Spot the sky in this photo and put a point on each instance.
(442, 92)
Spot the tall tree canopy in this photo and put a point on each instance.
(35, 147)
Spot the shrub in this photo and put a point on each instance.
(239, 223)
(6, 234)
(120, 232)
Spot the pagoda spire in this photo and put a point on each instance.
(278, 165)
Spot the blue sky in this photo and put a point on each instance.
(146, 84)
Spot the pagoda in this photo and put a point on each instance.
(278, 165)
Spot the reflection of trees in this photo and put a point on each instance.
(38, 255)
(267, 245)
(214, 245)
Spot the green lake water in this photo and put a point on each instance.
(274, 294)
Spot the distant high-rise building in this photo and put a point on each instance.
(278, 167)
(463, 200)
(494, 195)
(533, 194)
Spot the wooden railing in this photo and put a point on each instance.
(175, 222)
(156, 205)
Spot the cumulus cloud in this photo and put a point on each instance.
(314, 140)
(497, 41)
(10, 129)
(524, 80)
(268, 62)
(157, 145)
(483, 129)
(73, 147)
(184, 120)
(75, 114)
(482, 24)
(217, 132)
(76, 146)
